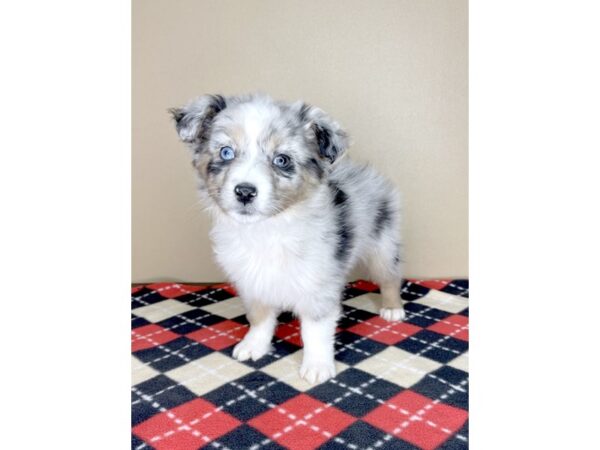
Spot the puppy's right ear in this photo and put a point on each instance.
(193, 121)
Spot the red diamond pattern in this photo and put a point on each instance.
(221, 335)
(186, 427)
(417, 419)
(454, 325)
(302, 423)
(170, 290)
(289, 332)
(432, 284)
(150, 336)
(364, 285)
(135, 289)
(381, 330)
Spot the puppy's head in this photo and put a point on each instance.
(256, 157)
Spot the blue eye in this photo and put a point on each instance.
(281, 161)
(227, 153)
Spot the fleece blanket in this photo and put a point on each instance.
(399, 385)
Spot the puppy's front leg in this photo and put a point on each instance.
(318, 336)
(257, 341)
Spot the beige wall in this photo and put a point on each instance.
(394, 73)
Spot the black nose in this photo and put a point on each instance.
(245, 192)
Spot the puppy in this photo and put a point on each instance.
(292, 217)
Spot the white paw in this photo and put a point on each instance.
(392, 314)
(317, 372)
(251, 349)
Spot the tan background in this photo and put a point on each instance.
(394, 73)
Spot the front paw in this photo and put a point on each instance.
(392, 314)
(251, 349)
(317, 372)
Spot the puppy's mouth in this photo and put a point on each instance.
(245, 214)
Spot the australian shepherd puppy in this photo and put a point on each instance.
(292, 216)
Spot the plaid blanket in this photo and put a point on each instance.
(399, 385)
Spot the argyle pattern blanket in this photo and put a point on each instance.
(400, 385)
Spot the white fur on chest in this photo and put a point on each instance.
(281, 262)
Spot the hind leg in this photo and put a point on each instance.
(385, 268)
(392, 308)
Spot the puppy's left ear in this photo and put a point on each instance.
(193, 121)
(331, 141)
